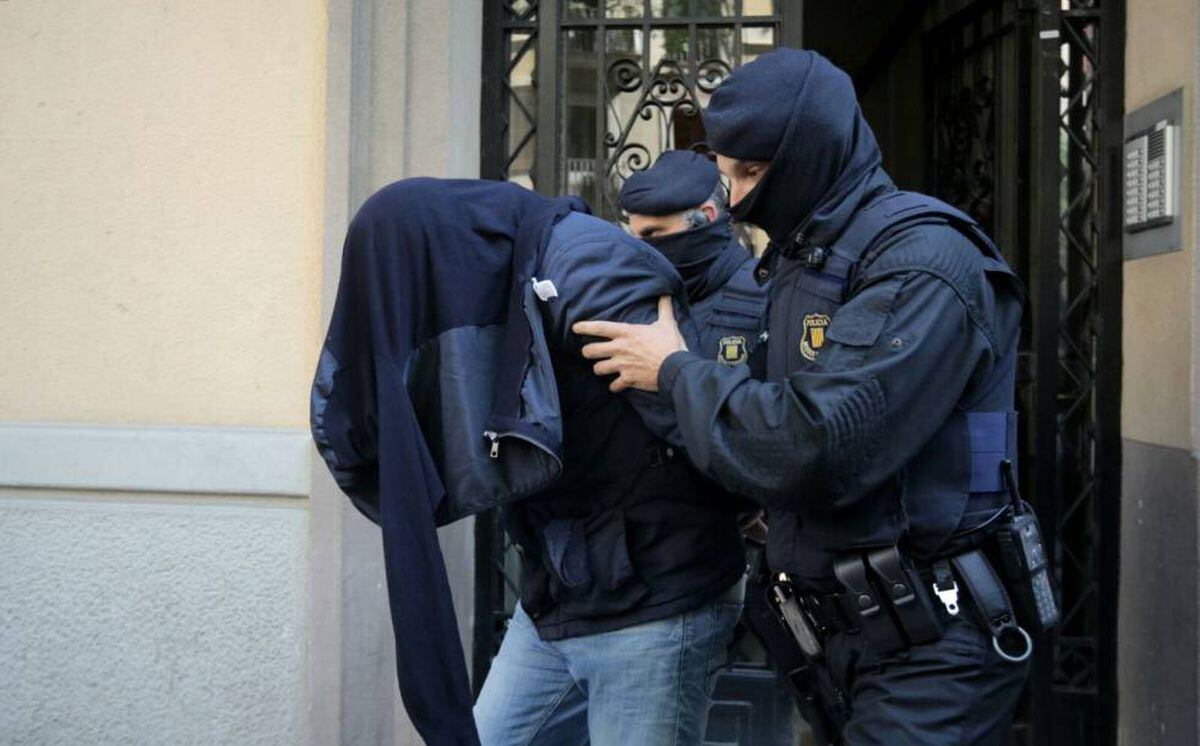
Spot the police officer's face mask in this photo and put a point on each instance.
(766, 205)
(693, 251)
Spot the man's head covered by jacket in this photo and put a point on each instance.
(791, 120)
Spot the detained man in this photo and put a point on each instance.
(631, 562)
(450, 383)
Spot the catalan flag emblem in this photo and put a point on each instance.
(813, 340)
(732, 350)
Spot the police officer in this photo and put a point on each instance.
(882, 439)
(678, 207)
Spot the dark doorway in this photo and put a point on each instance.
(1010, 109)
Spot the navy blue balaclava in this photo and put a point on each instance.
(681, 180)
(697, 252)
(796, 110)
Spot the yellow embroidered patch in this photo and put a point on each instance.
(813, 340)
(732, 350)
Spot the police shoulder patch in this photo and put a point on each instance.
(732, 350)
(813, 339)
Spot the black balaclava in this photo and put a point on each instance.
(680, 181)
(701, 256)
(796, 110)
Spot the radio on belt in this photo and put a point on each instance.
(1024, 563)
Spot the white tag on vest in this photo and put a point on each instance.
(545, 289)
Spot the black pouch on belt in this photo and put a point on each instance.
(892, 603)
(865, 601)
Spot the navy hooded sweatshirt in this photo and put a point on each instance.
(422, 258)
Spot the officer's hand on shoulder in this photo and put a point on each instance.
(634, 352)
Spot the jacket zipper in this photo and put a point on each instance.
(494, 437)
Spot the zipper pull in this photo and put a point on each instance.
(493, 436)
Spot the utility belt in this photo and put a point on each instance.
(897, 603)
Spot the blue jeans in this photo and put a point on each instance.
(645, 684)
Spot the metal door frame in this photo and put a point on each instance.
(1064, 240)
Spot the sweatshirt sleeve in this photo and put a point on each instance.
(609, 276)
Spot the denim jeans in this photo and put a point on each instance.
(645, 684)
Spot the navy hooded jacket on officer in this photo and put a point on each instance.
(888, 404)
(728, 305)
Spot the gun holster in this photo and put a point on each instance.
(790, 661)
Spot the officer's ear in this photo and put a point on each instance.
(710, 212)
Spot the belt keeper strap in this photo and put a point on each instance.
(992, 601)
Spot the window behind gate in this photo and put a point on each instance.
(585, 92)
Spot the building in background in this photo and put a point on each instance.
(176, 179)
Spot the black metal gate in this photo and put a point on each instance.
(1023, 115)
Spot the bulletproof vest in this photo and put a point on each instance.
(731, 321)
(954, 484)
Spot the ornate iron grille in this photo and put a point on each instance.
(973, 141)
(1024, 100)
(636, 76)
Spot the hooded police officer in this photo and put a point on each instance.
(882, 441)
(678, 207)
(631, 561)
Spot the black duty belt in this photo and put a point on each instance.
(820, 615)
(833, 612)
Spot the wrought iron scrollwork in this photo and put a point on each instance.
(629, 158)
(668, 92)
(966, 165)
(624, 74)
(711, 73)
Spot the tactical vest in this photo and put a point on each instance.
(731, 321)
(954, 483)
